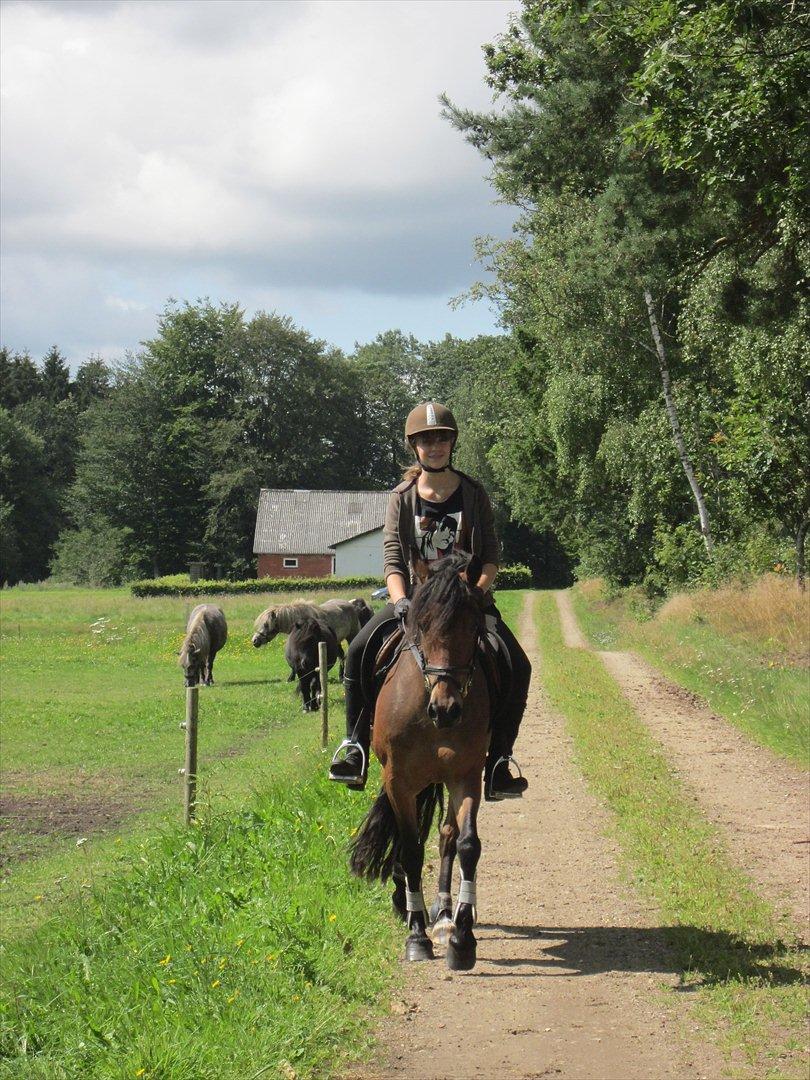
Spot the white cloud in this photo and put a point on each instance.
(280, 142)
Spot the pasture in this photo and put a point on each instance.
(92, 699)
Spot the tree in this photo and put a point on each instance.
(28, 514)
(620, 226)
(55, 377)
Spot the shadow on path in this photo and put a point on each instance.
(696, 956)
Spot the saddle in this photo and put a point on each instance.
(386, 643)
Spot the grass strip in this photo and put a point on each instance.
(760, 694)
(238, 948)
(744, 968)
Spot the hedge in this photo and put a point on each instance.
(509, 577)
(174, 587)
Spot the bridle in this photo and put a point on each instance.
(429, 671)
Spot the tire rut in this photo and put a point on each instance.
(570, 960)
(760, 801)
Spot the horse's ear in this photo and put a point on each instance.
(473, 571)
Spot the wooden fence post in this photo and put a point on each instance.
(190, 771)
(324, 673)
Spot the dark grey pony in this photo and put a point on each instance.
(206, 633)
(301, 653)
(364, 610)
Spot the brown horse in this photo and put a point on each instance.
(431, 730)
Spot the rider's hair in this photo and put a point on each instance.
(412, 472)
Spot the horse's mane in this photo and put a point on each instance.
(197, 634)
(439, 598)
(286, 614)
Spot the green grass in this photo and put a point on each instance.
(742, 966)
(92, 699)
(765, 698)
(236, 949)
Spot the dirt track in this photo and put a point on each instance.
(569, 958)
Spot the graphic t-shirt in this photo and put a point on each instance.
(438, 526)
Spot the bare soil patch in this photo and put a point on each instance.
(570, 960)
(57, 815)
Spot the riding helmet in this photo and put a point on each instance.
(429, 416)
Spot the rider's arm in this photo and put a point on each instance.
(487, 576)
(396, 587)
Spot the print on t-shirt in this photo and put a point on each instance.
(438, 525)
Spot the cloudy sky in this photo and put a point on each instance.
(288, 155)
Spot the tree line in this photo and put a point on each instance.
(138, 468)
(642, 415)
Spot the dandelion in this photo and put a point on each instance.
(332, 918)
(140, 1072)
(39, 896)
(171, 982)
(223, 963)
(296, 997)
(215, 984)
(233, 997)
(167, 959)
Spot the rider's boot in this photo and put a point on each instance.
(352, 769)
(498, 780)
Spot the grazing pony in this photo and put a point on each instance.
(343, 617)
(431, 730)
(206, 633)
(301, 653)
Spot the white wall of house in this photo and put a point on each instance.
(362, 556)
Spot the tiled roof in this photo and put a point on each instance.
(297, 522)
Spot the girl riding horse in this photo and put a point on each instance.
(434, 511)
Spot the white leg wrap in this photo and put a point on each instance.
(414, 901)
(466, 895)
(466, 892)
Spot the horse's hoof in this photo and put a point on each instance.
(442, 929)
(461, 958)
(420, 948)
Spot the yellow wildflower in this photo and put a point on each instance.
(332, 918)
(140, 1072)
(167, 959)
(215, 984)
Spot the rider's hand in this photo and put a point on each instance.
(401, 608)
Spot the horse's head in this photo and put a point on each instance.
(445, 624)
(265, 628)
(191, 662)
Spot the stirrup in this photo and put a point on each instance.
(350, 781)
(493, 796)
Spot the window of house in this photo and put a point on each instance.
(290, 564)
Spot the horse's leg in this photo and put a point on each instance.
(462, 944)
(441, 910)
(418, 945)
(342, 663)
(398, 895)
(209, 670)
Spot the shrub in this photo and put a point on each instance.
(179, 585)
(509, 577)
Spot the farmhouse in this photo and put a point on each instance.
(302, 533)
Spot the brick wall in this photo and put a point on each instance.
(308, 566)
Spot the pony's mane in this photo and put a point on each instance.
(197, 634)
(439, 598)
(285, 613)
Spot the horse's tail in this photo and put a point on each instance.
(377, 847)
